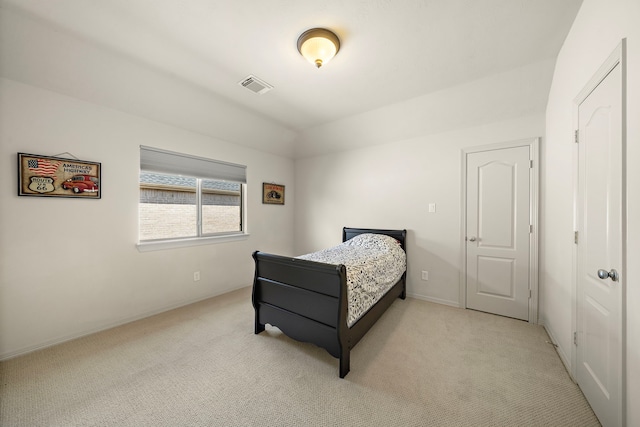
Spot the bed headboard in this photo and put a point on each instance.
(399, 235)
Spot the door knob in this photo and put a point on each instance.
(472, 239)
(604, 274)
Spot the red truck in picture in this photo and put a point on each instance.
(81, 184)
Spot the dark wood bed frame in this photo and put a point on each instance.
(307, 300)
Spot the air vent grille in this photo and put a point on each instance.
(255, 85)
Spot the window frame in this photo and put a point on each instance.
(161, 161)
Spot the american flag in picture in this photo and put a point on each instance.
(43, 167)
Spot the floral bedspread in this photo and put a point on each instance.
(374, 262)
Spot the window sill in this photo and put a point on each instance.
(183, 243)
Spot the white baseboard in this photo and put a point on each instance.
(434, 300)
(60, 340)
(566, 360)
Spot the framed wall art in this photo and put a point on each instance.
(58, 177)
(272, 194)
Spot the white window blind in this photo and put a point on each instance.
(169, 162)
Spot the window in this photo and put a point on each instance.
(185, 197)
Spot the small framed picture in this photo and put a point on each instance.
(272, 194)
(58, 177)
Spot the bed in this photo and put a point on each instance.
(309, 300)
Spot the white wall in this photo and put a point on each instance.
(69, 267)
(507, 95)
(38, 53)
(391, 186)
(597, 30)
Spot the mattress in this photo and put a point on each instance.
(374, 263)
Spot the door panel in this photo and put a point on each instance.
(596, 319)
(599, 222)
(497, 276)
(496, 195)
(497, 230)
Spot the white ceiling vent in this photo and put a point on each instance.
(255, 85)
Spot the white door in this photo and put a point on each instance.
(599, 367)
(498, 231)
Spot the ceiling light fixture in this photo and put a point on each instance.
(318, 45)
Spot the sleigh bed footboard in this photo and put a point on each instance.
(306, 300)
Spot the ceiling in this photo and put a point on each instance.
(392, 51)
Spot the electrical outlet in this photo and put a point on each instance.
(425, 275)
(196, 276)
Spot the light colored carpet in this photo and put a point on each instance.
(422, 364)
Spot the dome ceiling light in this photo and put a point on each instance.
(318, 45)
